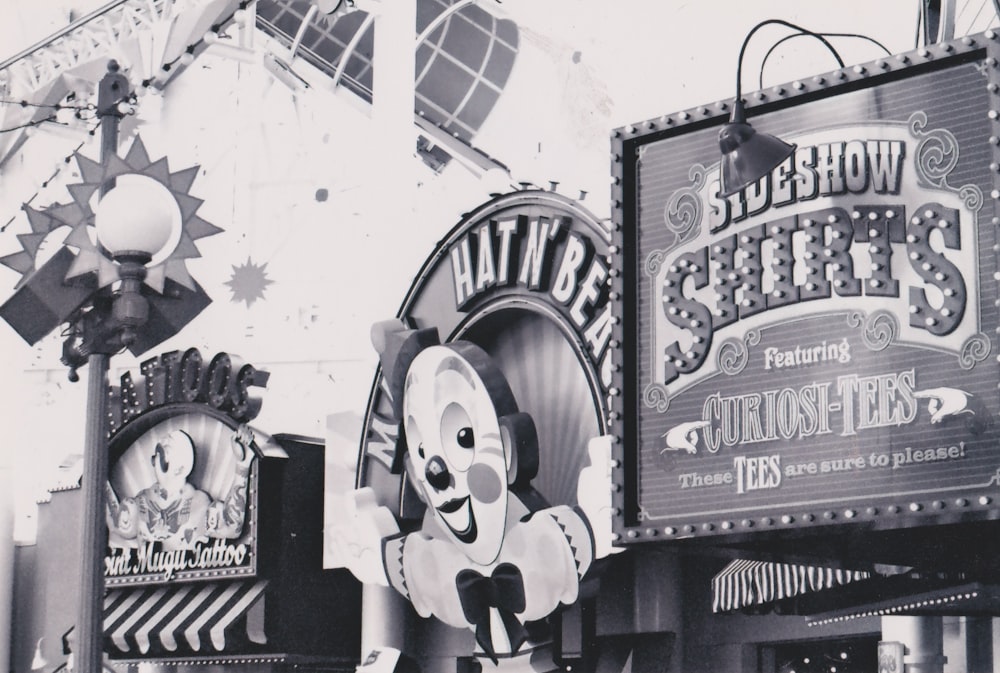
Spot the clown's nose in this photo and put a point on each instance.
(437, 473)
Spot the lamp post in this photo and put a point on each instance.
(132, 229)
(89, 656)
(113, 324)
(128, 290)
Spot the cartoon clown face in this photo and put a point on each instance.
(453, 398)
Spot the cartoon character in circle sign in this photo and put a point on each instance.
(491, 555)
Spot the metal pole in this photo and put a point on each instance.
(89, 652)
(384, 612)
(7, 563)
(923, 638)
(978, 644)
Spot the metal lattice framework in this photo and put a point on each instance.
(153, 40)
(464, 56)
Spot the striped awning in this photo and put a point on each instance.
(185, 618)
(743, 583)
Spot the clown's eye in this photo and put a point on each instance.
(457, 437)
(413, 439)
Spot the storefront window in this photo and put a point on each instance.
(843, 655)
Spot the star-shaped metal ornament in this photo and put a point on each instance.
(248, 282)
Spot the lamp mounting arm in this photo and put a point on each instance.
(90, 330)
(786, 38)
(787, 24)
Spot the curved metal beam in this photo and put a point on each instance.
(349, 49)
(301, 32)
(441, 18)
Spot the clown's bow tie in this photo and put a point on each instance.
(503, 590)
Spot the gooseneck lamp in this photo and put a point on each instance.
(747, 155)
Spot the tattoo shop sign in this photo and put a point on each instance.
(180, 502)
(819, 348)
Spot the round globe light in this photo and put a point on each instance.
(138, 217)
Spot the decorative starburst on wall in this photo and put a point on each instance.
(248, 282)
(78, 215)
(43, 223)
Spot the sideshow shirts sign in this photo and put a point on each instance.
(819, 347)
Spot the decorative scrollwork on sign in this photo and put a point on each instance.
(937, 151)
(880, 329)
(654, 261)
(972, 197)
(975, 349)
(936, 157)
(734, 354)
(655, 397)
(683, 210)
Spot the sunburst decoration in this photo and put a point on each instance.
(43, 223)
(248, 282)
(79, 216)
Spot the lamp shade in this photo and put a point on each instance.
(138, 216)
(747, 155)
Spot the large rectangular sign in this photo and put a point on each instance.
(821, 347)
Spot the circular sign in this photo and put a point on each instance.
(525, 278)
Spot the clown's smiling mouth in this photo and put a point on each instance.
(463, 526)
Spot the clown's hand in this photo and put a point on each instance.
(354, 540)
(944, 402)
(241, 442)
(593, 494)
(118, 515)
(111, 502)
(683, 437)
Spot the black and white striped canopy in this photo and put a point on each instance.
(743, 583)
(185, 618)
